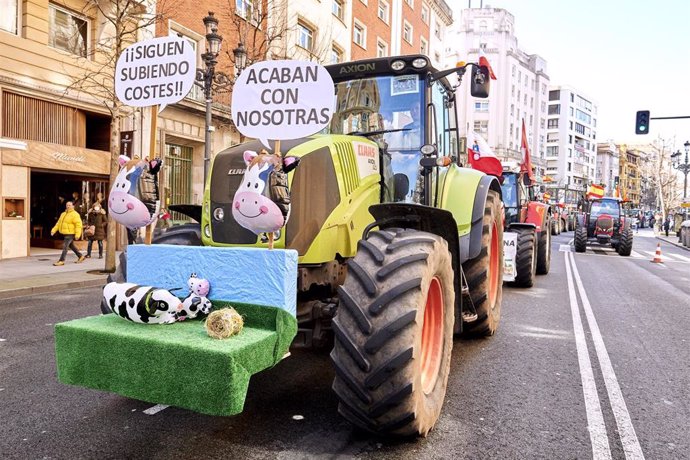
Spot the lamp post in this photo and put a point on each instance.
(682, 167)
(211, 81)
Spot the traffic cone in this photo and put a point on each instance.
(657, 256)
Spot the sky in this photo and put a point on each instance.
(624, 55)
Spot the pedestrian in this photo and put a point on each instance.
(69, 224)
(667, 224)
(95, 230)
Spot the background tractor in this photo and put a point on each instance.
(399, 247)
(602, 221)
(531, 221)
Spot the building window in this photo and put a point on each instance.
(383, 11)
(248, 9)
(552, 123)
(68, 31)
(410, 3)
(425, 14)
(338, 9)
(10, 14)
(437, 29)
(554, 109)
(554, 95)
(481, 106)
(336, 55)
(423, 46)
(481, 127)
(552, 151)
(407, 32)
(305, 37)
(360, 34)
(381, 48)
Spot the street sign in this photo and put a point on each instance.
(160, 71)
(126, 138)
(685, 204)
(282, 100)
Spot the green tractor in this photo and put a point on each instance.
(399, 246)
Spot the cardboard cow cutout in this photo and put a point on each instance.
(134, 200)
(262, 203)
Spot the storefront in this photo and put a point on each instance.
(36, 179)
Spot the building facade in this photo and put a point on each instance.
(519, 93)
(571, 149)
(631, 159)
(608, 167)
(54, 136)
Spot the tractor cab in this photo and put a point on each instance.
(517, 192)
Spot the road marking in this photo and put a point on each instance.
(637, 255)
(626, 431)
(155, 409)
(565, 248)
(682, 258)
(595, 418)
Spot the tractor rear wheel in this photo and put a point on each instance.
(394, 333)
(625, 243)
(544, 249)
(580, 239)
(485, 272)
(525, 258)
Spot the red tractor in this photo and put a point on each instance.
(527, 229)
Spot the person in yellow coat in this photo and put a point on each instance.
(69, 224)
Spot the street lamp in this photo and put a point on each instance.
(211, 81)
(682, 167)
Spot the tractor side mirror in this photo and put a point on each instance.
(401, 185)
(480, 82)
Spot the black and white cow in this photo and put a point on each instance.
(142, 304)
(194, 305)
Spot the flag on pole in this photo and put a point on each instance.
(526, 164)
(595, 191)
(481, 157)
(483, 61)
(617, 192)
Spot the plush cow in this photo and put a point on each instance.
(134, 200)
(198, 286)
(262, 203)
(141, 304)
(192, 306)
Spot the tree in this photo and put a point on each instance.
(661, 178)
(121, 23)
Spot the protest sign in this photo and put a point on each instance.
(282, 100)
(158, 71)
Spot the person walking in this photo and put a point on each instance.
(667, 224)
(69, 224)
(96, 221)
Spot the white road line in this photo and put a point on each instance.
(626, 431)
(595, 418)
(637, 255)
(678, 256)
(155, 409)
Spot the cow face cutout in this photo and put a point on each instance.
(133, 199)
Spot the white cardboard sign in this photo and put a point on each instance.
(157, 71)
(282, 100)
(509, 255)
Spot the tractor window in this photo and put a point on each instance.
(604, 207)
(509, 191)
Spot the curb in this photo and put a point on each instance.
(36, 290)
(672, 242)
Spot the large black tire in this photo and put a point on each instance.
(626, 242)
(525, 258)
(544, 249)
(485, 272)
(394, 333)
(580, 239)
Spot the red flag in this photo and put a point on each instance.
(483, 61)
(481, 157)
(526, 164)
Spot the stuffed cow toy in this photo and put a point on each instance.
(134, 200)
(262, 203)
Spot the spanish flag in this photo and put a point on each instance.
(595, 191)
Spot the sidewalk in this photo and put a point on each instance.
(36, 274)
(671, 238)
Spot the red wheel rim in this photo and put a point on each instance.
(493, 266)
(432, 336)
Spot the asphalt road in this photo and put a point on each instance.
(599, 373)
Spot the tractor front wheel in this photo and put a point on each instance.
(485, 272)
(626, 242)
(525, 258)
(394, 333)
(580, 239)
(544, 249)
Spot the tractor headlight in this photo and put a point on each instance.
(419, 63)
(398, 65)
(207, 231)
(428, 149)
(219, 214)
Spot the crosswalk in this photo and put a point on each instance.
(608, 251)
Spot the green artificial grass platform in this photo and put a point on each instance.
(173, 364)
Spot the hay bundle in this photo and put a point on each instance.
(224, 323)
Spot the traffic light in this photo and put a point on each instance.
(642, 122)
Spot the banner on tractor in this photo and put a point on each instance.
(282, 100)
(159, 71)
(509, 255)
